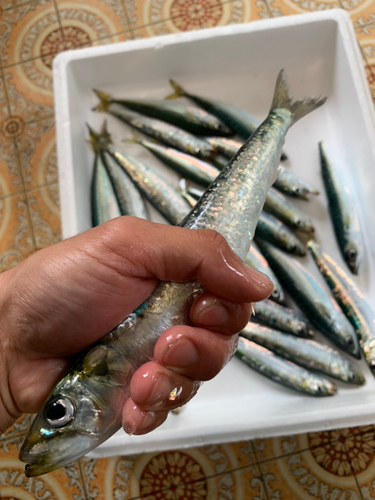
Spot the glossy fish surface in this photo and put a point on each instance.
(320, 309)
(104, 204)
(276, 232)
(278, 205)
(226, 146)
(350, 299)
(164, 132)
(191, 118)
(257, 261)
(85, 407)
(190, 167)
(345, 218)
(167, 200)
(282, 371)
(307, 353)
(282, 318)
(129, 198)
(292, 184)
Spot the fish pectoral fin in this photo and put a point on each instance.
(96, 361)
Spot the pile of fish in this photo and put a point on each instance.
(197, 141)
(86, 405)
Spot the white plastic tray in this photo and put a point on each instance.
(237, 64)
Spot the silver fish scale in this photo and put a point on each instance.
(163, 196)
(240, 189)
(163, 131)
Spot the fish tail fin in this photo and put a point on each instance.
(105, 136)
(105, 101)
(94, 138)
(283, 99)
(135, 139)
(178, 90)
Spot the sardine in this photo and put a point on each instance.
(164, 132)
(274, 231)
(190, 167)
(239, 120)
(282, 371)
(320, 309)
(307, 353)
(282, 318)
(129, 198)
(225, 146)
(293, 185)
(279, 206)
(256, 260)
(191, 118)
(343, 212)
(351, 301)
(85, 407)
(167, 200)
(104, 204)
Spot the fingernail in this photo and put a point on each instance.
(212, 312)
(139, 421)
(181, 354)
(260, 280)
(161, 391)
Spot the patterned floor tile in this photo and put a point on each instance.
(268, 449)
(63, 484)
(300, 477)
(20, 427)
(85, 21)
(10, 172)
(16, 238)
(44, 211)
(37, 153)
(244, 453)
(30, 90)
(30, 31)
(224, 13)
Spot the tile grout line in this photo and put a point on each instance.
(15, 6)
(82, 479)
(358, 487)
(127, 18)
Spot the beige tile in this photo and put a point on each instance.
(86, 21)
(301, 477)
(20, 427)
(30, 89)
(16, 238)
(44, 208)
(270, 448)
(30, 31)
(37, 153)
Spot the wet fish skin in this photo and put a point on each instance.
(192, 168)
(94, 390)
(350, 299)
(104, 204)
(167, 200)
(344, 216)
(225, 146)
(256, 260)
(282, 318)
(128, 197)
(304, 352)
(279, 234)
(320, 309)
(282, 371)
(191, 118)
(279, 206)
(292, 184)
(164, 132)
(239, 120)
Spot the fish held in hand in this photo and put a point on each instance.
(85, 408)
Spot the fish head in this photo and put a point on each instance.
(304, 225)
(295, 246)
(303, 329)
(355, 377)
(353, 256)
(300, 191)
(80, 413)
(319, 386)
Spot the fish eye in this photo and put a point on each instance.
(59, 412)
(352, 254)
(275, 293)
(299, 222)
(294, 247)
(300, 329)
(349, 341)
(297, 190)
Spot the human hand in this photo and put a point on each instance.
(66, 297)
